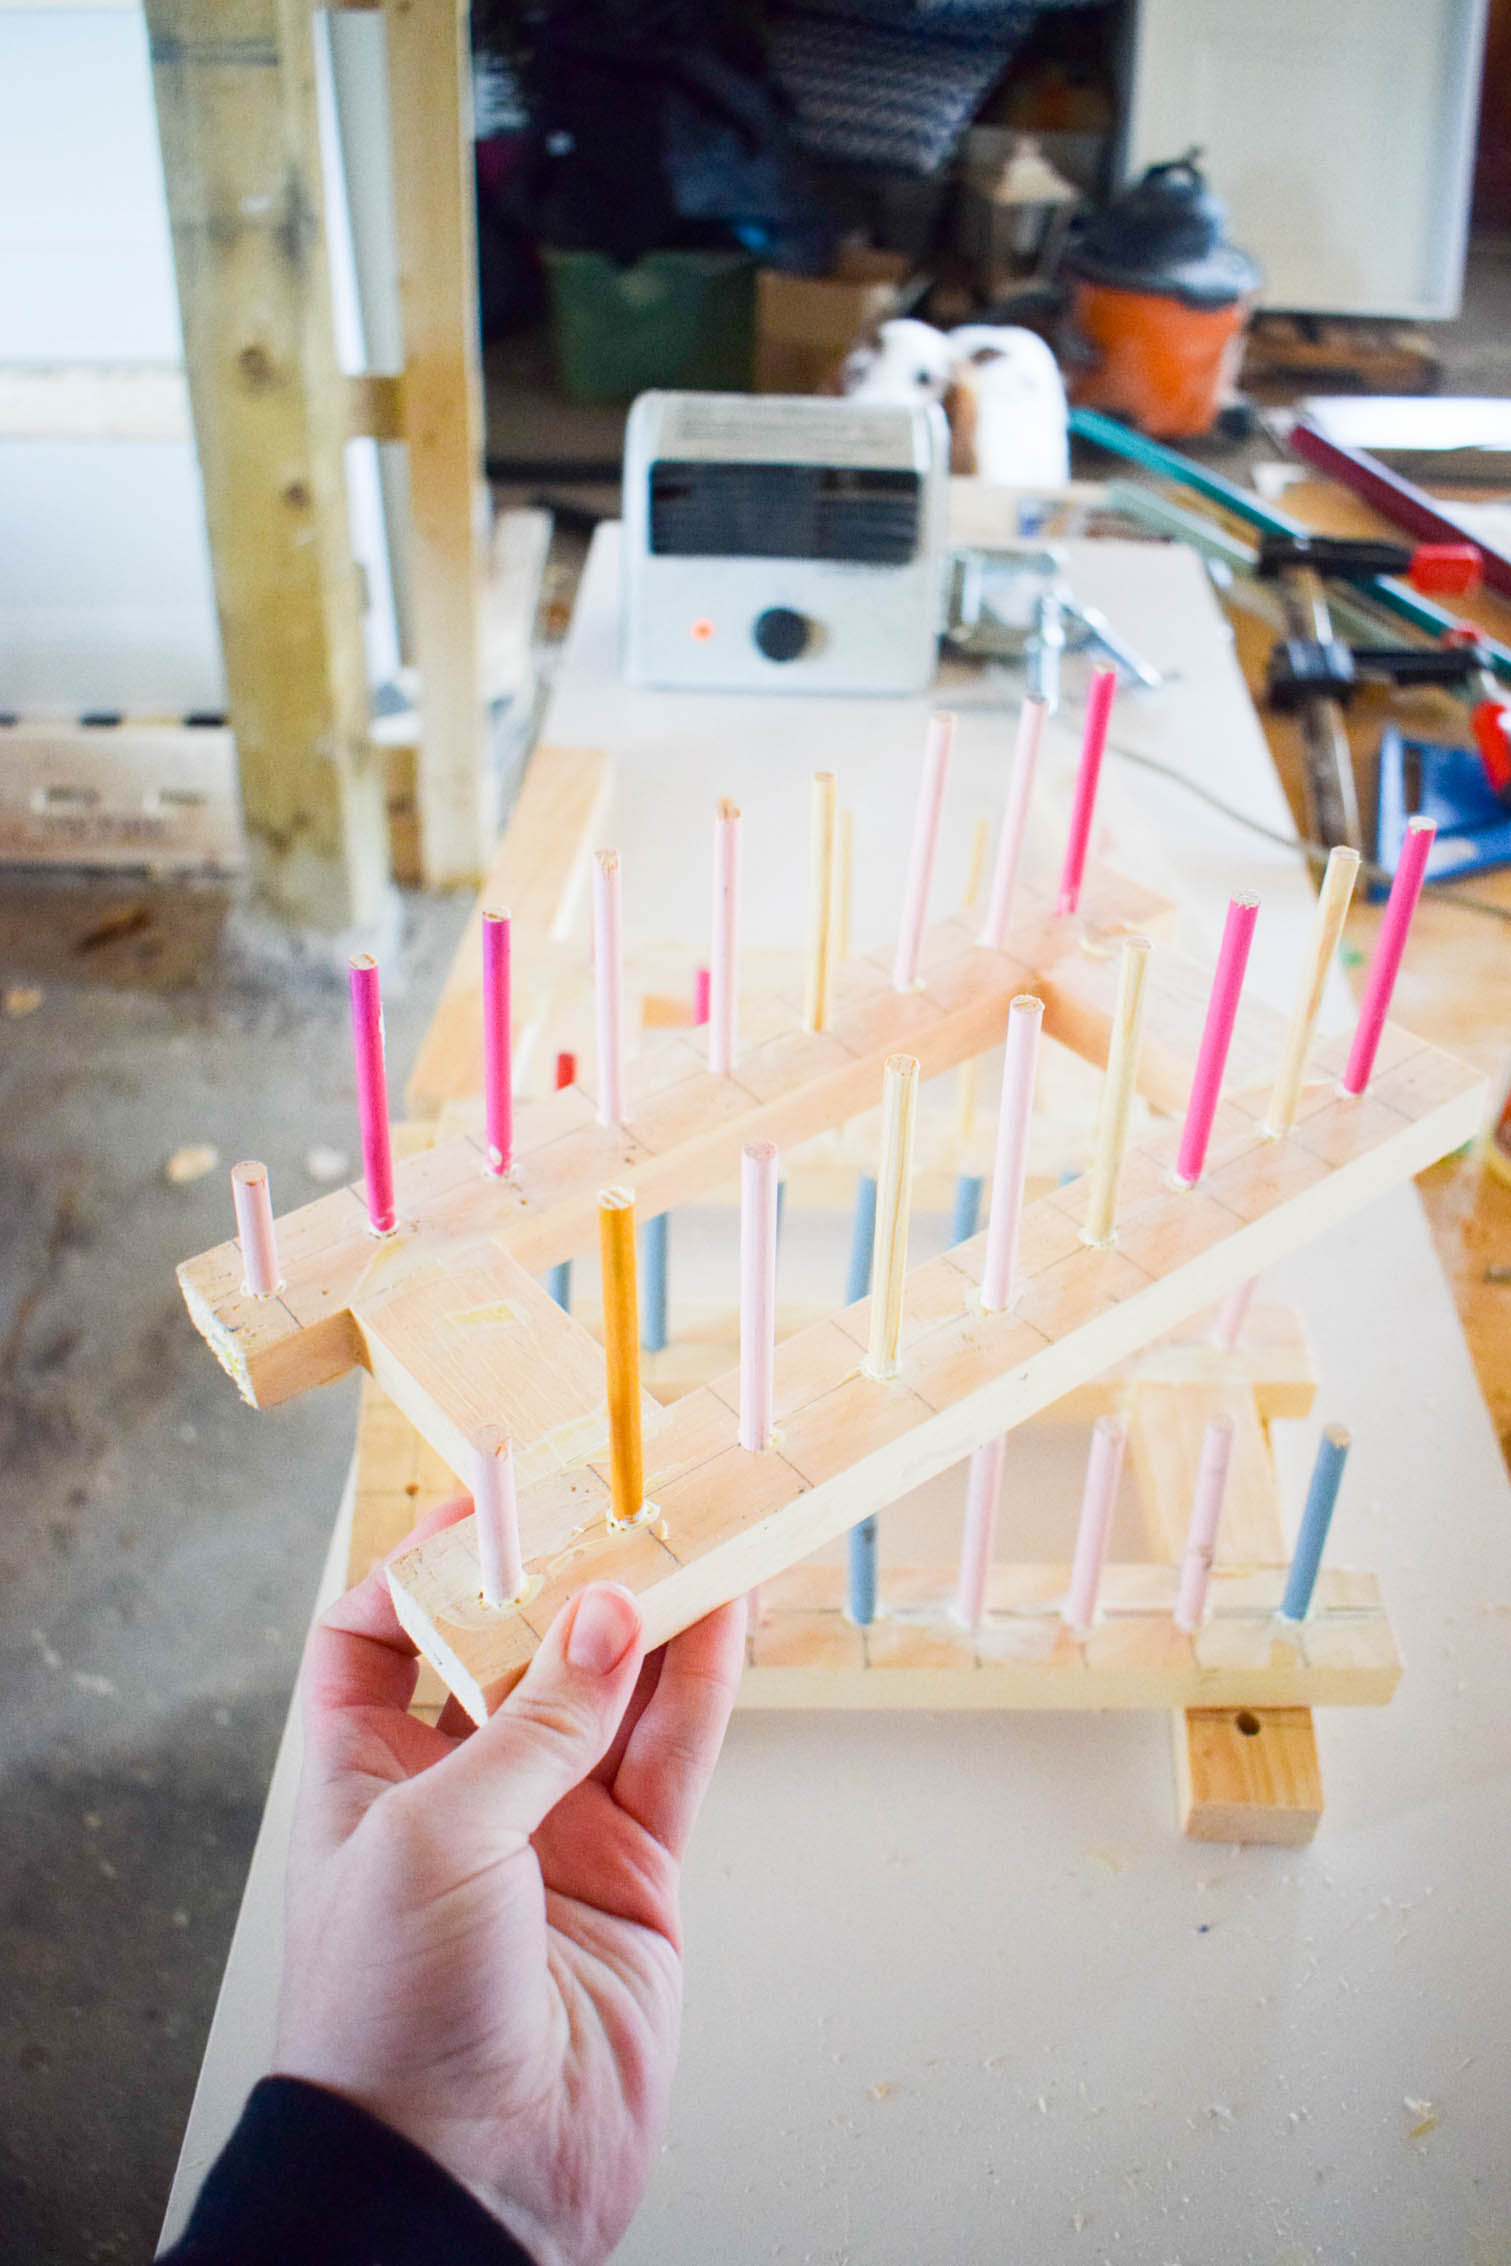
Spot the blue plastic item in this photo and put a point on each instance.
(1423, 778)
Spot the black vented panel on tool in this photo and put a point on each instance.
(784, 511)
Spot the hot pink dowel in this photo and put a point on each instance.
(1020, 792)
(498, 1044)
(915, 900)
(372, 1093)
(608, 985)
(497, 1508)
(1093, 742)
(1216, 1037)
(1010, 1169)
(1206, 1511)
(1104, 1468)
(982, 1488)
(1411, 872)
(702, 995)
(723, 967)
(255, 1229)
(1230, 1317)
(758, 1186)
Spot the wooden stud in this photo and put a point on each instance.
(894, 1188)
(1248, 1774)
(1010, 1167)
(820, 902)
(1332, 909)
(1000, 907)
(621, 1346)
(1118, 1090)
(261, 1274)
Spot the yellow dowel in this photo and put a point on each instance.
(1332, 908)
(839, 912)
(1117, 1092)
(820, 901)
(894, 1189)
(621, 1348)
(975, 871)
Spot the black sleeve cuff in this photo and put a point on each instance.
(311, 2180)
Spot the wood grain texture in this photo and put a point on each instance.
(1247, 1775)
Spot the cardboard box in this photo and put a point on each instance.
(807, 324)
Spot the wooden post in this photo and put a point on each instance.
(233, 82)
(430, 103)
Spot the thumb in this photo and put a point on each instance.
(560, 1718)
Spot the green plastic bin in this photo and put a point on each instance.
(670, 319)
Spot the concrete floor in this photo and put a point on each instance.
(161, 1543)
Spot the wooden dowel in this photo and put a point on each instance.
(566, 1070)
(861, 1586)
(1316, 1518)
(966, 1080)
(1411, 872)
(1206, 1514)
(844, 885)
(758, 1190)
(497, 1510)
(894, 1189)
(862, 1537)
(372, 1093)
(1010, 1166)
(975, 863)
(702, 996)
(1228, 1321)
(498, 1044)
(982, 1489)
(965, 1216)
(621, 1351)
(1332, 908)
(258, 1237)
(608, 985)
(820, 902)
(925, 848)
(655, 1237)
(559, 1278)
(1104, 1468)
(1216, 1038)
(724, 960)
(1093, 742)
(1118, 1089)
(1010, 842)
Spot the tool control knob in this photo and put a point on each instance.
(781, 633)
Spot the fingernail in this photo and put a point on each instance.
(605, 1625)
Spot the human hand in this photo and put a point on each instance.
(482, 1938)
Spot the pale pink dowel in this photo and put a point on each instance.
(1206, 1511)
(255, 1229)
(758, 1185)
(926, 821)
(982, 1488)
(1104, 1468)
(1093, 742)
(723, 967)
(498, 1044)
(608, 985)
(1010, 1169)
(497, 1509)
(372, 1093)
(1228, 1321)
(1216, 1037)
(702, 993)
(1020, 793)
(1411, 872)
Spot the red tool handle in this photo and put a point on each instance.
(1446, 570)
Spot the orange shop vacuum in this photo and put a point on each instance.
(1158, 303)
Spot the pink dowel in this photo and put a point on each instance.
(982, 1488)
(1093, 742)
(566, 1070)
(498, 1044)
(1228, 1321)
(1411, 872)
(1206, 1511)
(702, 993)
(758, 1186)
(372, 1093)
(1020, 792)
(1216, 1037)
(915, 900)
(255, 1229)
(1104, 1468)
(497, 1509)
(1010, 1169)
(608, 985)
(723, 969)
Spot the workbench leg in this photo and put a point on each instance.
(1247, 1774)
(234, 89)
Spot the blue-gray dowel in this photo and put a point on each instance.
(966, 1217)
(1316, 1518)
(653, 1254)
(857, 1284)
(559, 1284)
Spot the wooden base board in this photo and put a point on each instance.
(1245, 1774)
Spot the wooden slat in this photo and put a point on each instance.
(1248, 1774)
